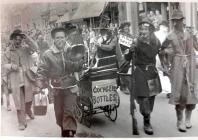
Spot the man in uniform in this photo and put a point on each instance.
(147, 83)
(179, 46)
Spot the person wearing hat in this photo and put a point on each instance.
(147, 82)
(179, 47)
(17, 62)
(104, 21)
(105, 43)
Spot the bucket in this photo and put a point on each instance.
(40, 104)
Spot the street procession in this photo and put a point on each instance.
(99, 69)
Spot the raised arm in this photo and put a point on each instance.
(32, 45)
(110, 46)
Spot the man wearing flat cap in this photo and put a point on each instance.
(106, 42)
(179, 46)
(147, 83)
(17, 62)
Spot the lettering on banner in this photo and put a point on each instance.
(104, 92)
(126, 41)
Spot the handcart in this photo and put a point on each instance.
(98, 92)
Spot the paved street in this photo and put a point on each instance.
(163, 121)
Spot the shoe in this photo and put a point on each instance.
(180, 124)
(181, 127)
(188, 125)
(22, 127)
(31, 116)
(135, 127)
(188, 117)
(67, 133)
(148, 129)
(64, 133)
(147, 126)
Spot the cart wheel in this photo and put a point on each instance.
(113, 113)
(118, 104)
(107, 114)
(107, 110)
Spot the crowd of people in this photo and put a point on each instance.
(154, 16)
(49, 50)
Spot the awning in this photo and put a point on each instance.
(89, 9)
(66, 17)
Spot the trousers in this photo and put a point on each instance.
(25, 108)
(146, 105)
(64, 103)
(188, 107)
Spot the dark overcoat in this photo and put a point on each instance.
(147, 82)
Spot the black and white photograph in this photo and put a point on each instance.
(99, 69)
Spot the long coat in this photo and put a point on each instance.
(180, 48)
(147, 82)
(21, 57)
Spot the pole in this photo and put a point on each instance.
(170, 9)
(132, 98)
(163, 11)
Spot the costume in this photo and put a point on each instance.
(147, 82)
(57, 67)
(179, 47)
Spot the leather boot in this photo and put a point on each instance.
(135, 127)
(188, 118)
(67, 133)
(64, 133)
(180, 124)
(147, 126)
